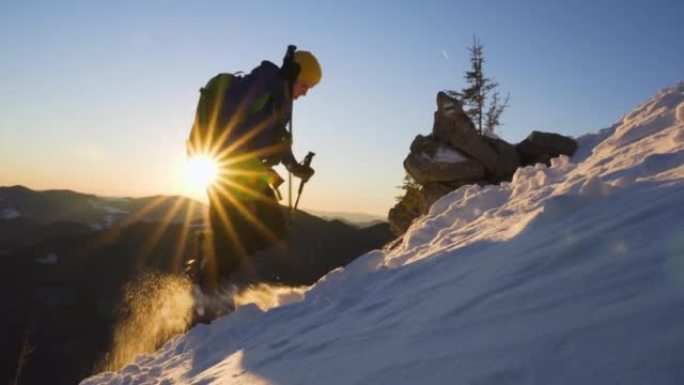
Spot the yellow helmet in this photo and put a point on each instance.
(310, 71)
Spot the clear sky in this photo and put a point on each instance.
(99, 96)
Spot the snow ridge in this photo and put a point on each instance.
(572, 273)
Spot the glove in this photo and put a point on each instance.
(302, 172)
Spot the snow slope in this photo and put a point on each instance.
(572, 274)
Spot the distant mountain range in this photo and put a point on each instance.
(28, 216)
(65, 258)
(360, 220)
(95, 211)
(101, 212)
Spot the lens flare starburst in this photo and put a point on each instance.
(200, 172)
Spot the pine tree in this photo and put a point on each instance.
(475, 96)
(493, 114)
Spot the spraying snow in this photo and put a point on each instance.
(156, 307)
(268, 296)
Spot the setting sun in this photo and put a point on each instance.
(200, 172)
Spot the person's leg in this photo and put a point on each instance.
(223, 254)
(273, 218)
(240, 229)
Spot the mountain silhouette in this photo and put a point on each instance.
(64, 272)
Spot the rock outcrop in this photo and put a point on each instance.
(453, 126)
(405, 211)
(540, 147)
(454, 154)
(450, 166)
(508, 159)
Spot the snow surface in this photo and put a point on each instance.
(110, 217)
(445, 154)
(49, 259)
(106, 208)
(9, 214)
(571, 274)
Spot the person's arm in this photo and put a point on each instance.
(290, 162)
(288, 159)
(282, 107)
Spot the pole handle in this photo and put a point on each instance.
(308, 158)
(306, 162)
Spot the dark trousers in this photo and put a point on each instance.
(240, 228)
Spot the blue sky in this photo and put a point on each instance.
(99, 96)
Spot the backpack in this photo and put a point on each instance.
(232, 105)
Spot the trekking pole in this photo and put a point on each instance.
(290, 70)
(307, 163)
(289, 179)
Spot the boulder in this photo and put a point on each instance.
(453, 126)
(540, 147)
(404, 212)
(425, 169)
(425, 144)
(454, 155)
(507, 159)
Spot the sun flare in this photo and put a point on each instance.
(200, 172)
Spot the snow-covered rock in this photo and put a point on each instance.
(425, 169)
(445, 154)
(455, 154)
(453, 126)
